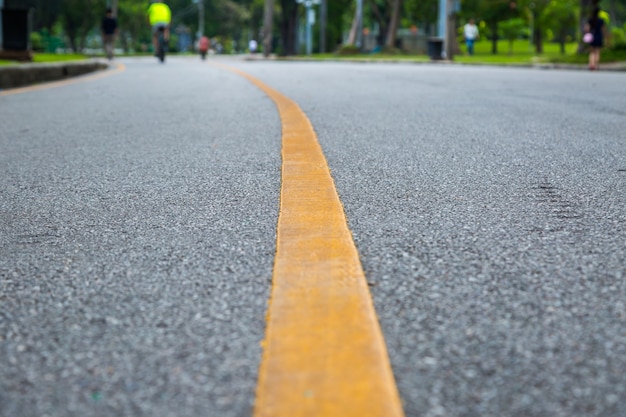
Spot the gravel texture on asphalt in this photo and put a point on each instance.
(137, 236)
(489, 209)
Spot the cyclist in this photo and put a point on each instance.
(160, 16)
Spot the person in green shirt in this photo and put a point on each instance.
(159, 16)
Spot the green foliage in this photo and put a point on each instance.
(562, 18)
(79, 17)
(420, 12)
(484, 30)
(47, 13)
(228, 44)
(619, 47)
(173, 42)
(618, 35)
(392, 51)
(134, 31)
(74, 21)
(340, 13)
(344, 50)
(512, 29)
(36, 41)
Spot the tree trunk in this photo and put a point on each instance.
(353, 29)
(393, 25)
(323, 19)
(382, 23)
(83, 39)
(288, 26)
(538, 40)
(268, 19)
(494, 40)
(585, 10)
(72, 38)
(451, 44)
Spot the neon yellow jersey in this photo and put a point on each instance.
(159, 13)
(604, 16)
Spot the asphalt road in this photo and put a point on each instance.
(138, 216)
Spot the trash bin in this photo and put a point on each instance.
(17, 24)
(435, 48)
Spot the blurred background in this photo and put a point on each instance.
(510, 30)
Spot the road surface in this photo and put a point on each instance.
(138, 217)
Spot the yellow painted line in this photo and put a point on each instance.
(324, 353)
(100, 74)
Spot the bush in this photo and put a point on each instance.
(619, 46)
(36, 41)
(618, 35)
(348, 50)
(173, 43)
(392, 51)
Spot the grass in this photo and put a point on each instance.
(518, 53)
(58, 57)
(522, 53)
(374, 57)
(37, 57)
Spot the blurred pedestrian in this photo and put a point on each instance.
(203, 46)
(595, 31)
(109, 33)
(252, 45)
(470, 31)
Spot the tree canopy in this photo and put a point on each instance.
(234, 22)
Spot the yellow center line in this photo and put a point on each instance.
(324, 353)
(101, 74)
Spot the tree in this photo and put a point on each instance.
(394, 20)
(562, 15)
(132, 19)
(352, 38)
(382, 11)
(493, 12)
(511, 30)
(421, 12)
(78, 18)
(47, 13)
(287, 26)
(268, 20)
(586, 6)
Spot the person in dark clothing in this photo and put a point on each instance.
(109, 32)
(596, 27)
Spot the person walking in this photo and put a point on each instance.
(470, 31)
(252, 45)
(595, 31)
(109, 33)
